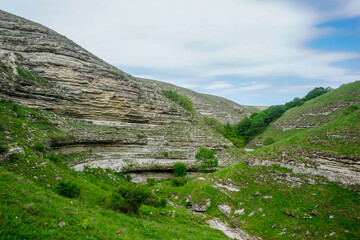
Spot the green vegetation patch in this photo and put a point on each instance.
(182, 100)
(271, 206)
(33, 78)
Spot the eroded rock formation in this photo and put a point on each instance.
(128, 124)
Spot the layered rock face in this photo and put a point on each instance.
(42, 69)
(222, 109)
(83, 85)
(83, 81)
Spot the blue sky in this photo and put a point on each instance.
(255, 52)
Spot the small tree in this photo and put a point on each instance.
(206, 158)
(130, 197)
(180, 169)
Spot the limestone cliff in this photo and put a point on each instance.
(43, 69)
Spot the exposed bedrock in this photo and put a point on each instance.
(43, 69)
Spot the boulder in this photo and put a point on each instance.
(225, 209)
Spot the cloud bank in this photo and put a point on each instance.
(224, 47)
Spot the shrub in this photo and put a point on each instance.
(4, 174)
(179, 181)
(3, 149)
(15, 157)
(162, 203)
(2, 128)
(68, 189)
(214, 124)
(269, 141)
(40, 147)
(151, 181)
(180, 169)
(117, 202)
(130, 197)
(55, 158)
(128, 178)
(206, 158)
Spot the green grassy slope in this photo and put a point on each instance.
(322, 137)
(30, 207)
(322, 109)
(329, 107)
(338, 138)
(315, 207)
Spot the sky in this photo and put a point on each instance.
(254, 52)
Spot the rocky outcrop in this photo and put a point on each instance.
(74, 82)
(82, 85)
(196, 207)
(225, 209)
(346, 171)
(125, 122)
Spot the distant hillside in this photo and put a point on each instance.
(320, 137)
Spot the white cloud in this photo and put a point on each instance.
(203, 40)
(218, 85)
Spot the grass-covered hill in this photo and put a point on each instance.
(37, 201)
(322, 135)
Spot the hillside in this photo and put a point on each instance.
(320, 137)
(127, 121)
(270, 202)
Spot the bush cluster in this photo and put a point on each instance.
(179, 181)
(40, 147)
(180, 169)
(68, 189)
(129, 197)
